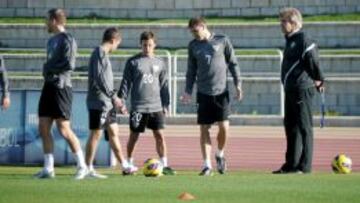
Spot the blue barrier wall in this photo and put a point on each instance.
(19, 138)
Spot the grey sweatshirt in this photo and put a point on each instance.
(4, 82)
(208, 65)
(61, 55)
(146, 78)
(101, 81)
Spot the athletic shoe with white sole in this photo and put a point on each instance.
(44, 174)
(95, 174)
(131, 170)
(221, 164)
(80, 173)
(206, 172)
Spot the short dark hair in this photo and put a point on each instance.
(147, 35)
(110, 34)
(58, 15)
(196, 21)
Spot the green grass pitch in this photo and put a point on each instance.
(17, 185)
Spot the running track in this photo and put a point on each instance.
(248, 148)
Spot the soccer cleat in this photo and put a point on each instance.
(94, 174)
(44, 174)
(206, 172)
(168, 171)
(281, 171)
(221, 164)
(131, 170)
(81, 173)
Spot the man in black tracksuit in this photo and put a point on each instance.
(300, 76)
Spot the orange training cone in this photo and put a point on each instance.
(186, 196)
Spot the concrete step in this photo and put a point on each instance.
(157, 9)
(261, 65)
(260, 35)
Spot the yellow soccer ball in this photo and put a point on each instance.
(341, 164)
(152, 168)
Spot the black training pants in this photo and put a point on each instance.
(299, 130)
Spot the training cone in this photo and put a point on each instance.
(186, 196)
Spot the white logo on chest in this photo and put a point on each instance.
(155, 68)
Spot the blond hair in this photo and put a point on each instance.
(292, 15)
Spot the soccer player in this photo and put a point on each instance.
(300, 76)
(4, 85)
(145, 76)
(210, 57)
(56, 96)
(102, 101)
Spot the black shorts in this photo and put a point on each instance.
(154, 121)
(55, 102)
(212, 109)
(99, 119)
